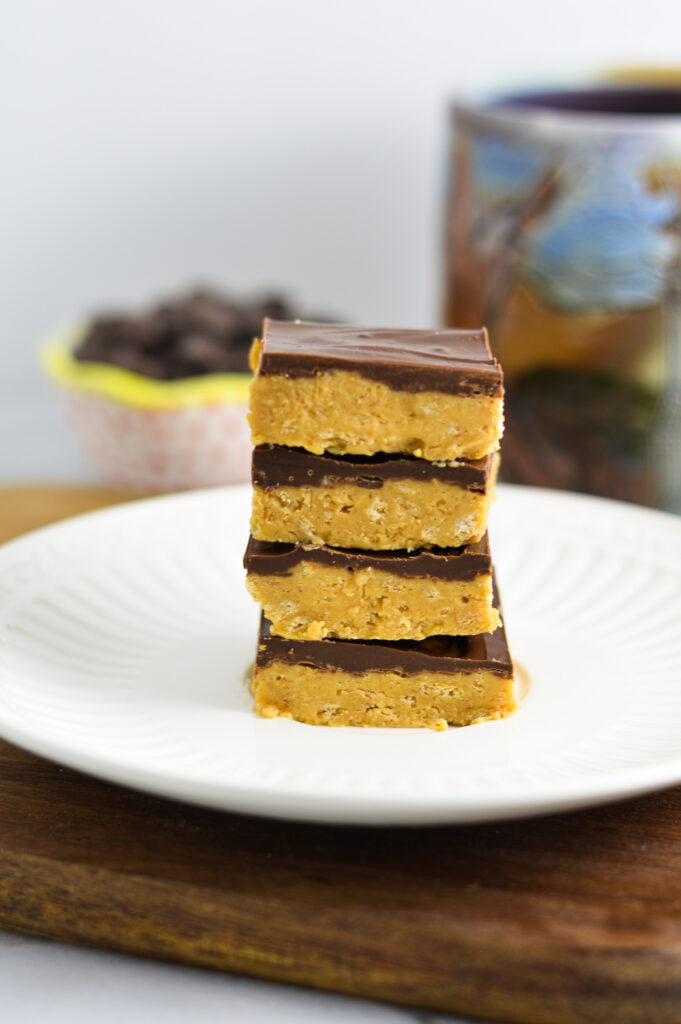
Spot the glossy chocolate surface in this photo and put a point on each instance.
(463, 563)
(277, 466)
(451, 361)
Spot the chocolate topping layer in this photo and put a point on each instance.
(464, 563)
(486, 652)
(453, 362)
(277, 466)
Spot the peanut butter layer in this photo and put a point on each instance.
(313, 593)
(427, 700)
(437, 395)
(434, 683)
(312, 413)
(377, 504)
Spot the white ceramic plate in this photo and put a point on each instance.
(126, 635)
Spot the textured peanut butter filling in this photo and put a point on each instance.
(405, 514)
(429, 699)
(344, 413)
(317, 601)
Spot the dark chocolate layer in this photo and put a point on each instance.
(464, 563)
(449, 361)
(487, 652)
(277, 466)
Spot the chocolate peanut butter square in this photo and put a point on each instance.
(311, 593)
(437, 395)
(408, 684)
(379, 502)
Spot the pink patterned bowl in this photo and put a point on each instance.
(145, 434)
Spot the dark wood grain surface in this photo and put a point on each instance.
(573, 919)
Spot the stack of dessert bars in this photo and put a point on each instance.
(373, 472)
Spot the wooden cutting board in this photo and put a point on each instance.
(572, 919)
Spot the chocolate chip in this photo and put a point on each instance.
(197, 333)
(198, 353)
(129, 358)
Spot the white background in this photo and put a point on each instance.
(301, 143)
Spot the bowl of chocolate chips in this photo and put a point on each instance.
(158, 399)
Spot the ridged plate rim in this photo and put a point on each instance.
(335, 798)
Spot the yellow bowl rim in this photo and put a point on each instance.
(130, 388)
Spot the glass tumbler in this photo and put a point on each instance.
(563, 237)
